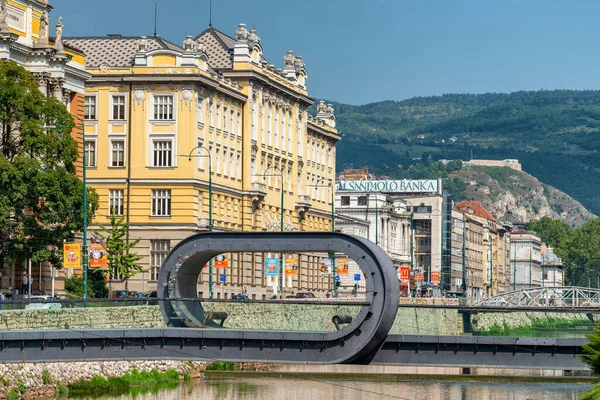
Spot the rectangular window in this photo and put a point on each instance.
(159, 249)
(345, 200)
(201, 154)
(163, 107)
(231, 166)
(225, 118)
(115, 202)
(238, 129)
(90, 153)
(161, 202)
(89, 108)
(200, 111)
(117, 153)
(218, 116)
(362, 200)
(118, 107)
(238, 166)
(162, 153)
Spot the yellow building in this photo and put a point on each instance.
(60, 72)
(152, 105)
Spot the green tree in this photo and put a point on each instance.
(553, 232)
(41, 202)
(96, 285)
(581, 251)
(120, 257)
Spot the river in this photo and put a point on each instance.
(316, 389)
(337, 382)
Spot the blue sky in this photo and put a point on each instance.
(362, 51)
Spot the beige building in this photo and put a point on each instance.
(151, 105)
(526, 259)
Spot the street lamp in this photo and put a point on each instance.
(210, 209)
(264, 175)
(333, 266)
(84, 170)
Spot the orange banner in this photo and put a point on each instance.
(435, 277)
(71, 255)
(419, 277)
(342, 266)
(222, 261)
(291, 266)
(98, 256)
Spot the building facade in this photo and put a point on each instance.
(526, 259)
(375, 216)
(159, 116)
(60, 72)
(552, 268)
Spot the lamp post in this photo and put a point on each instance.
(84, 173)
(264, 175)
(210, 209)
(333, 266)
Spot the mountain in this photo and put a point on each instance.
(504, 191)
(555, 134)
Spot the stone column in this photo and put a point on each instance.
(57, 90)
(42, 79)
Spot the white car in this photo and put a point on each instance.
(43, 303)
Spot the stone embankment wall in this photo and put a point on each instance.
(81, 318)
(303, 317)
(64, 373)
(486, 321)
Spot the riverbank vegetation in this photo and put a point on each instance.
(591, 356)
(134, 382)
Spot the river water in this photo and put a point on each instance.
(337, 382)
(316, 389)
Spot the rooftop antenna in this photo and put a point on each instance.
(210, 13)
(155, 16)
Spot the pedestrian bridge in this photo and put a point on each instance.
(561, 296)
(358, 331)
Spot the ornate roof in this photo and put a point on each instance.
(114, 50)
(218, 47)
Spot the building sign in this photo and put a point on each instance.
(222, 261)
(342, 266)
(98, 256)
(389, 186)
(325, 265)
(272, 266)
(291, 266)
(15, 18)
(71, 255)
(435, 278)
(404, 274)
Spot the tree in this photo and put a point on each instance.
(41, 202)
(553, 232)
(120, 257)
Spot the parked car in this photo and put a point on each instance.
(43, 304)
(305, 295)
(240, 297)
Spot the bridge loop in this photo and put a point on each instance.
(357, 342)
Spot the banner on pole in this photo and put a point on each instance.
(325, 266)
(342, 266)
(222, 261)
(435, 278)
(71, 255)
(272, 266)
(291, 266)
(98, 256)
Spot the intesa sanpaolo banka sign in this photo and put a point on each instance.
(391, 186)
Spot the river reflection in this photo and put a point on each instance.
(316, 389)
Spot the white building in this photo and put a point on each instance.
(380, 219)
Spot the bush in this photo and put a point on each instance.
(96, 285)
(592, 351)
(220, 366)
(12, 395)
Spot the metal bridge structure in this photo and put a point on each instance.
(193, 334)
(552, 297)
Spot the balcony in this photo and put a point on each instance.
(257, 193)
(302, 205)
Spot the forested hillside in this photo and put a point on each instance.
(555, 135)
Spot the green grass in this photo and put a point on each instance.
(12, 395)
(134, 382)
(220, 366)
